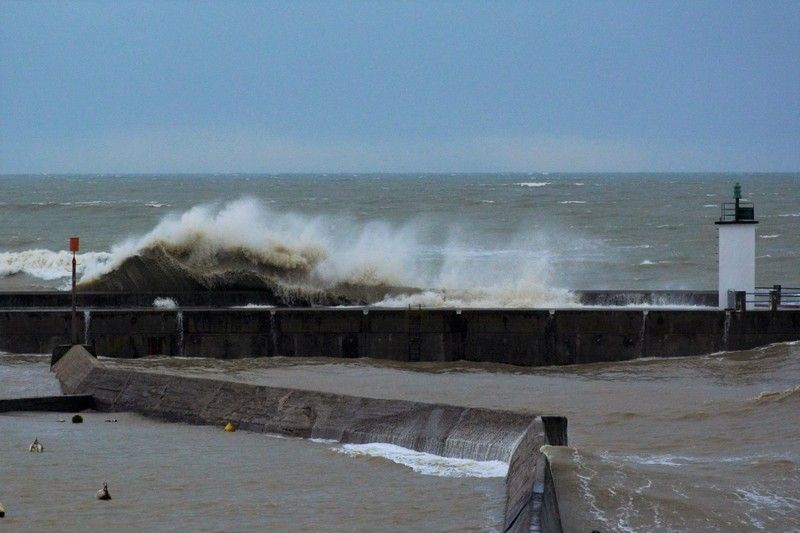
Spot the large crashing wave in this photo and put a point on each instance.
(302, 260)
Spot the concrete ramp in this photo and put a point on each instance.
(445, 430)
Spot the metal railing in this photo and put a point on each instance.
(732, 211)
(771, 298)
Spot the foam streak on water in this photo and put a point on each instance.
(426, 463)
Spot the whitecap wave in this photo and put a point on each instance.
(426, 463)
(49, 265)
(533, 184)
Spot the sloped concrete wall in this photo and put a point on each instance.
(444, 430)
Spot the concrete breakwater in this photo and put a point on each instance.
(444, 430)
(512, 336)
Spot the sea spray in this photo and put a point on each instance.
(642, 333)
(329, 260)
(87, 321)
(165, 303)
(726, 330)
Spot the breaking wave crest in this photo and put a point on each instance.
(304, 260)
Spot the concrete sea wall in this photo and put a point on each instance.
(444, 430)
(513, 336)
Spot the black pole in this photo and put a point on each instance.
(74, 309)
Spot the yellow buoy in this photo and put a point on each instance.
(230, 427)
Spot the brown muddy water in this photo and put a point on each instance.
(685, 444)
(180, 477)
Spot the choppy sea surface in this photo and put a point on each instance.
(493, 239)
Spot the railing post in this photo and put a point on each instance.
(774, 298)
(741, 301)
(777, 289)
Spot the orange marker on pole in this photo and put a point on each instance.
(74, 247)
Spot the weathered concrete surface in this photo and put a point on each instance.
(520, 480)
(62, 404)
(61, 350)
(445, 430)
(513, 336)
(550, 515)
(538, 512)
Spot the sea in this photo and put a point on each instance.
(706, 443)
(519, 240)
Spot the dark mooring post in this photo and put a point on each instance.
(74, 246)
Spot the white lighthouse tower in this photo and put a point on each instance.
(737, 248)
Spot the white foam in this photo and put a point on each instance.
(774, 236)
(253, 306)
(520, 295)
(572, 202)
(426, 463)
(49, 265)
(165, 303)
(768, 500)
(533, 184)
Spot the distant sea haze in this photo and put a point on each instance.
(471, 239)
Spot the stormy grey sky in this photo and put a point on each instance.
(125, 87)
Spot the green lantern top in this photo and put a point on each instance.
(737, 191)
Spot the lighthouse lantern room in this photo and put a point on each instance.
(737, 248)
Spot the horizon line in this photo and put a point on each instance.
(401, 173)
